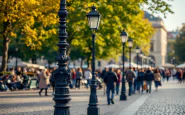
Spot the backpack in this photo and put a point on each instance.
(129, 76)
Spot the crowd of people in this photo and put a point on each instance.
(139, 80)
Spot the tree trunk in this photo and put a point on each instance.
(6, 42)
(89, 63)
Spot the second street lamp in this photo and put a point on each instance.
(124, 37)
(137, 51)
(93, 20)
(130, 45)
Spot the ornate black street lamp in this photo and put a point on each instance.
(137, 52)
(141, 56)
(93, 20)
(130, 45)
(124, 37)
(62, 74)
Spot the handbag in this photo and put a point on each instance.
(160, 84)
(144, 86)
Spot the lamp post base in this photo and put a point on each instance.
(93, 110)
(123, 97)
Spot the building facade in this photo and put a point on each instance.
(158, 44)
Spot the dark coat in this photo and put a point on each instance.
(78, 75)
(149, 76)
(103, 74)
(141, 76)
(109, 79)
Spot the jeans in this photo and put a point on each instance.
(108, 94)
(141, 83)
(117, 88)
(73, 82)
(78, 83)
(130, 88)
(134, 86)
(149, 86)
(88, 83)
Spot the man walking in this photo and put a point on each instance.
(130, 75)
(88, 77)
(109, 79)
(149, 78)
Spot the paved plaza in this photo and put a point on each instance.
(168, 100)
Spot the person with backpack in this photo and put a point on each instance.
(110, 78)
(130, 75)
(149, 77)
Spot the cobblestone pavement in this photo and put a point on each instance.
(29, 103)
(169, 100)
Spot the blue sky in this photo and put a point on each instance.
(175, 20)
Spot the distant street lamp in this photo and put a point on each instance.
(93, 20)
(62, 73)
(130, 45)
(124, 37)
(137, 51)
(141, 56)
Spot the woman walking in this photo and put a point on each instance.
(78, 77)
(157, 78)
(44, 82)
(118, 73)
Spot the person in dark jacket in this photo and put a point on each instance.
(110, 78)
(149, 77)
(130, 75)
(140, 79)
(78, 77)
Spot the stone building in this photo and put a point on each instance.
(158, 49)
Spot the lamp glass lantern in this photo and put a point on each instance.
(137, 49)
(130, 43)
(93, 18)
(124, 36)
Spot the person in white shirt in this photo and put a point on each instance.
(88, 77)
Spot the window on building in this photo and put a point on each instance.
(151, 46)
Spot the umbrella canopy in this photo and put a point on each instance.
(181, 65)
(145, 66)
(112, 65)
(127, 65)
(167, 65)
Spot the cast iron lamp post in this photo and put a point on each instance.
(141, 56)
(130, 45)
(124, 37)
(93, 20)
(137, 51)
(62, 73)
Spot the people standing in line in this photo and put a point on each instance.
(130, 75)
(118, 73)
(78, 77)
(44, 82)
(167, 74)
(88, 77)
(157, 79)
(140, 80)
(149, 77)
(110, 78)
(73, 77)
